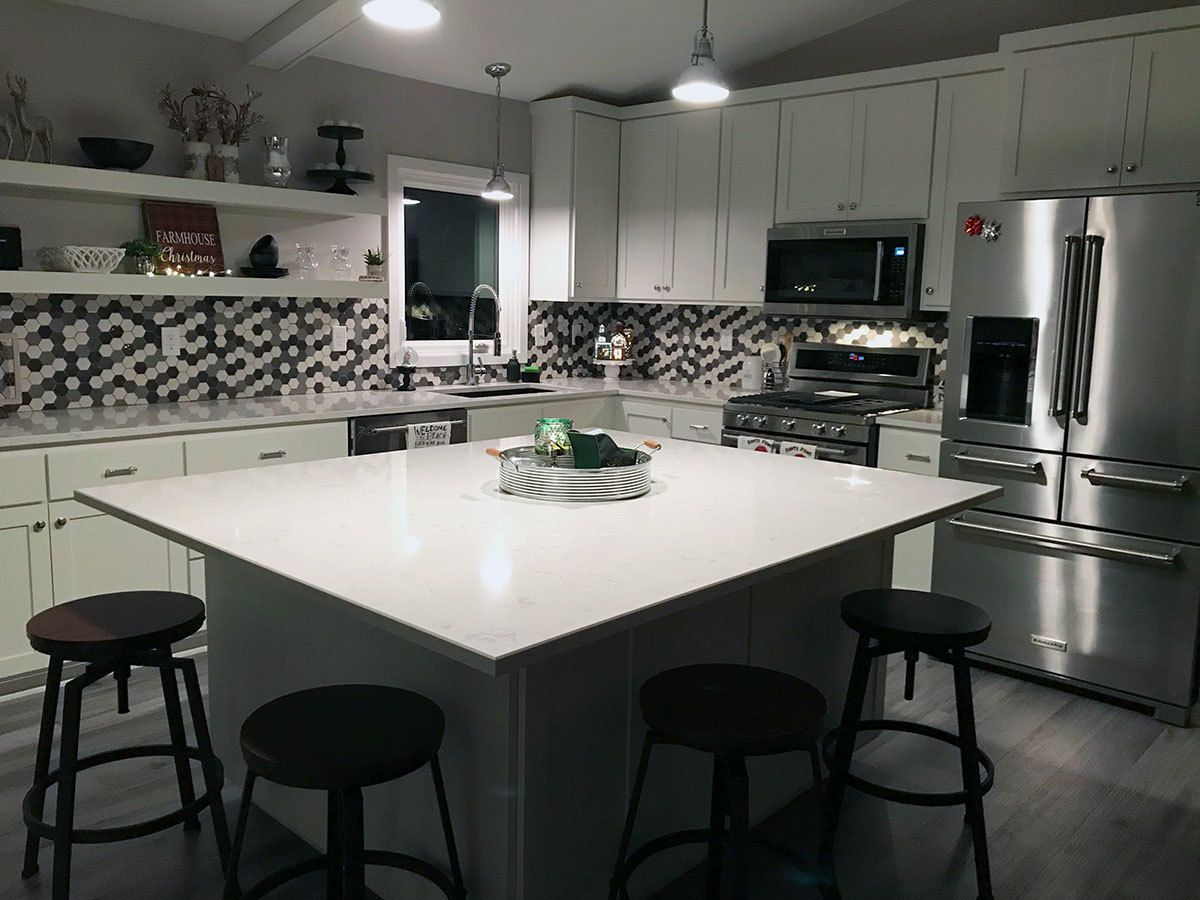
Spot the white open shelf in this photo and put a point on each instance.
(46, 180)
(200, 286)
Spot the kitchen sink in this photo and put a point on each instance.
(487, 390)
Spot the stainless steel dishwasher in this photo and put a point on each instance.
(382, 434)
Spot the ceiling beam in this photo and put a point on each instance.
(293, 35)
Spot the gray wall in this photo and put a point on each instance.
(93, 73)
(928, 30)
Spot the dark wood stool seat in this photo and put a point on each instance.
(341, 739)
(113, 633)
(107, 626)
(732, 712)
(910, 622)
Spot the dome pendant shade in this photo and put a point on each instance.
(405, 14)
(498, 188)
(702, 81)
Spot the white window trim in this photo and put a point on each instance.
(408, 171)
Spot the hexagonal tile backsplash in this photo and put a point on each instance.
(83, 351)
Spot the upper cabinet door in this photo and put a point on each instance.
(691, 233)
(745, 200)
(815, 138)
(642, 233)
(892, 151)
(1162, 134)
(1066, 116)
(596, 173)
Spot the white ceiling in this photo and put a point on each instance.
(607, 49)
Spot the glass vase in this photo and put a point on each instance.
(278, 168)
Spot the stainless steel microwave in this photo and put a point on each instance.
(868, 270)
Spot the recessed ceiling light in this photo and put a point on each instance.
(406, 14)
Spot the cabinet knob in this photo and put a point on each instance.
(658, 287)
(929, 291)
(1112, 170)
(60, 522)
(666, 419)
(578, 284)
(854, 206)
(39, 525)
(761, 288)
(1132, 167)
(667, 288)
(841, 206)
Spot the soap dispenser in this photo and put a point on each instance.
(512, 370)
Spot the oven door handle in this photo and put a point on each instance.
(833, 451)
(1107, 479)
(1068, 302)
(389, 429)
(1164, 560)
(1033, 468)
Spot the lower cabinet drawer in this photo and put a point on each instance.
(251, 448)
(696, 424)
(22, 477)
(111, 462)
(907, 450)
(647, 419)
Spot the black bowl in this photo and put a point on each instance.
(116, 153)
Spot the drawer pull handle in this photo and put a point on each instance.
(1033, 468)
(1166, 560)
(272, 454)
(1107, 479)
(699, 427)
(120, 473)
(918, 457)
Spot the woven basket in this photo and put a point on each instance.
(100, 260)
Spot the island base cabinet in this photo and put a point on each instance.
(538, 759)
(25, 564)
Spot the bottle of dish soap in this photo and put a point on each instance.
(512, 369)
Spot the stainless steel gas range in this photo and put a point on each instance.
(836, 393)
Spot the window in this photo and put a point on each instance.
(442, 247)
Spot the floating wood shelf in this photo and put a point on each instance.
(201, 286)
(77, 182)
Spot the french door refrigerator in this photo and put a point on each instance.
(1073, 380)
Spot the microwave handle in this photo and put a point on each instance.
(878, 267)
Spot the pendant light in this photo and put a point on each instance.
(406, 14)
(702, 81)
(498, 188)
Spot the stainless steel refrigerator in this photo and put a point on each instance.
(1073, 380)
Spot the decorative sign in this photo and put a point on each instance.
(189, 236)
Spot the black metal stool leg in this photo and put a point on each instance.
(41, 764)
(814, 758)
(353, 849)
(335, 846)
(64, 814)
(719, 810)
(835, 788)
(970, 771)
(213, 781)
(232, 889)
(739, 828)
(183, 766)
(635, 800)
(460, 888)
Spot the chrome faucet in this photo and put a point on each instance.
(474, 370)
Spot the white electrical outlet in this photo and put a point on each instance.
(172, 340)
(578, 329)
(341, 338)
(726, 340)
(539, 334)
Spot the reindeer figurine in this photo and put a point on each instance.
(8, 131)
(31, 126)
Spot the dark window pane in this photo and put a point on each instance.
(451, 244)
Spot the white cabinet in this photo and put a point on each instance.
(257, 447)
(503, 421)
(696, 423)
(1162, 127)
(745, 200)
(966, 167)
(25, 564)
(911, 450)
(573, 211)
(590, 412)
(668, 207)
(196, 577)
(646, 419)
(862, 154)
(111, 462)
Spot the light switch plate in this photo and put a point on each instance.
(341, 338)
(726, 340)
(539, 334)
(578, 330)
(172, 340)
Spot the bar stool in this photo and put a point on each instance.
(341, 739)
(112, 633)
(732, 712)
(912, 623)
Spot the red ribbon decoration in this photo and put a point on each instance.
(973, 226)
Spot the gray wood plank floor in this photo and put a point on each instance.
(1092, 802)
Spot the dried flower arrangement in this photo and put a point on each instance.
(197, 127)
(234, 120)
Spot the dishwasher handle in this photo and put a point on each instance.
(391, 429)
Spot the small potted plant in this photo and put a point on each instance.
(374, 260)
(144, 253)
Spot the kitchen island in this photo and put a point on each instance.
(532, 624)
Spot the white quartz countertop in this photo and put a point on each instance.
(916, 419)
(44, 429)
(423, 543)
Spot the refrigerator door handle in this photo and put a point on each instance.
(1068, 301)
(1165, 560)
(1086, 334)
(1033, 468)
(1150, 484)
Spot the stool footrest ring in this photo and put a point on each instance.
(392, 860)
(120, 832)
(896, 795)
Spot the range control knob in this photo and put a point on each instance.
(818, 428)
(789, 424)
(839, 430)
(742, 419)
(760, 421)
